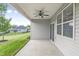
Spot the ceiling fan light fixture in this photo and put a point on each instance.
(41, 13)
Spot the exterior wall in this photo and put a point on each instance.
(40, 29)
(66, 45)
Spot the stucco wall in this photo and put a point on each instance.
(40, 29)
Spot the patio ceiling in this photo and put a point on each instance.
(29, 9)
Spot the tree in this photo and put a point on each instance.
(3, 9)
(4, 25)
(28, 28)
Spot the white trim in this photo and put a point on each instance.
(65, 37)
(74, 21)
(59, 24)
(68, 21)
(56, 28)
(62, 23)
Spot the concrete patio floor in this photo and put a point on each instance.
(39, 48)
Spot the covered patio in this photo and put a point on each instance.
(40, 43)
(39, 48)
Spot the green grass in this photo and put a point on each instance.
(14, 44)
(13, 33)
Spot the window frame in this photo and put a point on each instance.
(73, 20)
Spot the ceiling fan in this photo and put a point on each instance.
(40, 13)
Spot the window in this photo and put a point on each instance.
(59, 24)
(66, 27)
(59, 18)
(68, 13)
(68, 21)
(59, 29)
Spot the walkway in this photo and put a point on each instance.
(39, 48)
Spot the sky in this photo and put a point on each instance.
(17, 18)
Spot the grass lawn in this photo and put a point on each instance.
(14, 44)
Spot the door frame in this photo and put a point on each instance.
(54, 31)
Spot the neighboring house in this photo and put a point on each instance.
(61, 27)
(21, 29)
(16, 28)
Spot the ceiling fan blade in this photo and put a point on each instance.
(46, 15)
